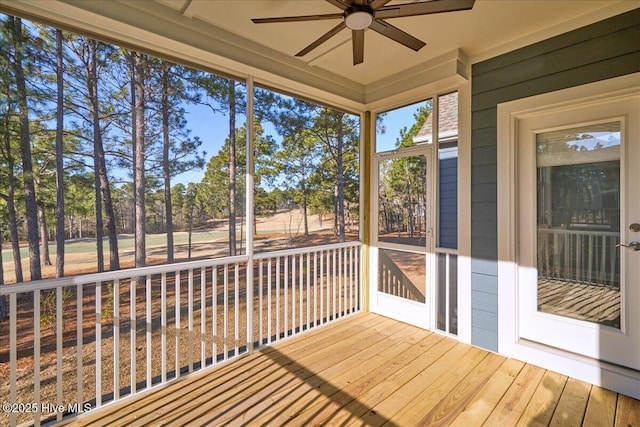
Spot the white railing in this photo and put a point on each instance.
(579, 256)
(393, 281)
(80, 342)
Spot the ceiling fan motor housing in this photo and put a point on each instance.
(358, 17)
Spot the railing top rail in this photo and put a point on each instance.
(39, 285)
(583, 232)
(106, 276)
(308, 249)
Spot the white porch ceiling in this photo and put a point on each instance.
(489, 24)
(219, 34)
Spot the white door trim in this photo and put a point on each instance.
(623, 380)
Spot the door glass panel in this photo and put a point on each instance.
(402, 274)
(402, 200)
(578, 222)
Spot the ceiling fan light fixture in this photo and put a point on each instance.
(358, 20)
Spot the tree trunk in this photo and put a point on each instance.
(102, 182)
(410, 222)
(137, 102)
(25, 151)
(45, 258)
(340, 179)
(166, 169)
(93, 102)
(232, 168)
(59, 158)
(305, 211)
(11, 205)
(4, 309)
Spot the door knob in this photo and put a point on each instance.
(634, 246)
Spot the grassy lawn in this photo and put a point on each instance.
(125, 243)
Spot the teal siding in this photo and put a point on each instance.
(600, 51)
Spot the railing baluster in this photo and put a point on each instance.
(356, 269)
(603, 259)
(214, 313)
(286, 296)
(269, 301)
(79, 344)
(149, 325)
(116, 339)
(352, 260)
(315, 288)
(308, 290)
(13, 355)
(260, 302)
(203, 317)
(132, 334)
(578, 257)
(190, 321)
(98, 344)
(590, 269)
(300, 292)
(333, 284)
(36, 356)
(236, 308)
(177, 309)
(340, 284)
(293, 294)
(278, 298)
(612, 258)
(321, 287)
(59, 344)
(327, 318)
(225, 314)
(163, 326)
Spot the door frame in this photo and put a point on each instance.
(414, 313)
(510, 343)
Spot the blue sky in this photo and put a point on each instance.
(212, 129)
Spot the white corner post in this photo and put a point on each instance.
(249, 211)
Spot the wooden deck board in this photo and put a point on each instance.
(544, 401)
(368, 370)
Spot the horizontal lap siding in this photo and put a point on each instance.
(448, 206)
(599, 51)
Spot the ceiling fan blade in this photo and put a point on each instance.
(396, 34)
(298, 18)
(357, 37)
(376, 4)
(332, 32)
(423, 8)
(340, 3)
(360, 2)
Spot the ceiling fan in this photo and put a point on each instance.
(358, 15)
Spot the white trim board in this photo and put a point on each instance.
(509, 342)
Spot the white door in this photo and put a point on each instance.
(578, 192)
(404, 255)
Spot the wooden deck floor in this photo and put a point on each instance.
(369, 370)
